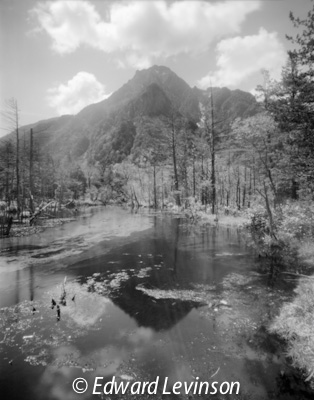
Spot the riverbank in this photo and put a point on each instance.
(224, 220)
(294, 324)
(18, 230)
(292, 250)
(197, 213)
(289, 252)
(48, 216)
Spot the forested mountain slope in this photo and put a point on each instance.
(109, 127)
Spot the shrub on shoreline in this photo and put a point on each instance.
(295, 325)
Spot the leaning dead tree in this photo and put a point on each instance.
(39, 211)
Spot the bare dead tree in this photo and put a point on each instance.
(10, 116)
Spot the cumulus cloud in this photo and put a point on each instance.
(241, 57)
(152, 28)
(70, 98)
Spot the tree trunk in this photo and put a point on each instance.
(155, 191)
(18, 171)
(174, 159)
(202, 178)
(238, 192)
(294, 189)
(31, 155)
(254, 176)
(269, 213)
(250, 190)
(10, 221)
(213, 154)
(194, 181)
(244, 189)
(7, 175)
(162, 188)
(37, 213)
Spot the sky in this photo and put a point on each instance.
(56, 57)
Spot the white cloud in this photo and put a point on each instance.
(153, 28)
(137, 61)
(240, 57)
(258, 95)
(80, 91)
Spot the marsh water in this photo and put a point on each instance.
(138, 296)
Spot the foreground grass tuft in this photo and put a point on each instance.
(295, 324)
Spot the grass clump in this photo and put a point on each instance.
(295, 324)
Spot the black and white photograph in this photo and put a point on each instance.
(157, 199)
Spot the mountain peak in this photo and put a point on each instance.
(157, 74)
(159, 69)
(173, 86)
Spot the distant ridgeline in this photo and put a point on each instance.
(112, 129)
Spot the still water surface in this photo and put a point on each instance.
(147, 295)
